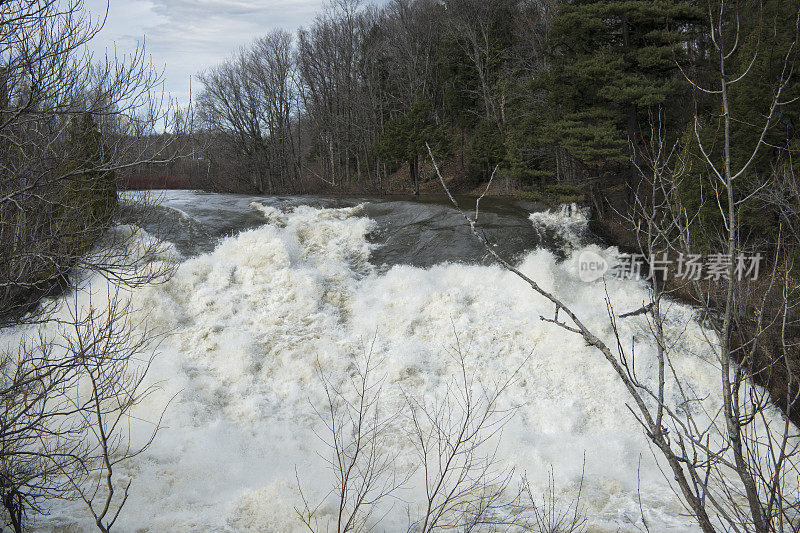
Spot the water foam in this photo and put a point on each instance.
(250, 320)
(567, 223)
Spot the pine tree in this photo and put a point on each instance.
(88, 192)
(610, 61)
(487, 150)
(767, 35)
(404, 138)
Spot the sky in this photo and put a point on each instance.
(187, 36)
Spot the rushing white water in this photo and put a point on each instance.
(568, 222)
(250, 320)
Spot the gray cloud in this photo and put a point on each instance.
(187, 36)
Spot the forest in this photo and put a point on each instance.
(561, 96)
(669, 128)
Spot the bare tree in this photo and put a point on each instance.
(273, 66)
(475, 26)
(35, 381)
(328, 58)
(60, 441)
(71, 122)
(247, 103)
(464, 486)
(548, 515)
(114, 353)
(733, 467)
(358, 434)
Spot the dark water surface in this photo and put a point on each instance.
(413, 231)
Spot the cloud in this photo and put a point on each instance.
(187, 36)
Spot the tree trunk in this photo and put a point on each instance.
(413, 172)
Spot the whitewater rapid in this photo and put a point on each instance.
(247, 322)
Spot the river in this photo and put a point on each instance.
(269, 289)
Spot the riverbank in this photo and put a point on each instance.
(759, 336)
(390, 184)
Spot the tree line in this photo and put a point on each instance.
(557, 93)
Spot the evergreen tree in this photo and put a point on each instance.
(89, 193)
(486, 150)
(766, 35)
(460, 84)
(404, 138)
(611, 60)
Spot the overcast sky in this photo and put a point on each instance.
(187, 36)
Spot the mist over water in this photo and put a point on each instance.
(267, 288)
